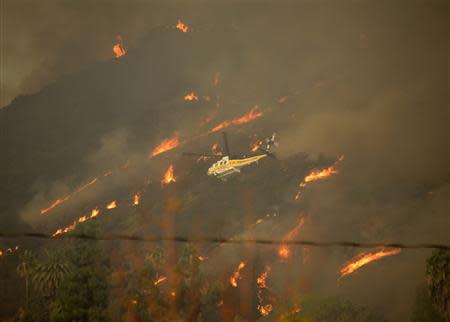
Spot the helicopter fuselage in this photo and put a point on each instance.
(226, 167)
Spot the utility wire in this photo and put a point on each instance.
(219, 240)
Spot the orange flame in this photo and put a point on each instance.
(322, 174)
(112, 205)
(159, 280)
(236, 275)
(58, 202)
(118, 49)
(190, 97)
(181, 26)
(136, 199)
(94, 213)
(284, 251)
(265, 310)
(168, 176)
(365, 258)
(253, 114)
(166, 145)
(255, 146)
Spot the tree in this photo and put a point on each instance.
(334, 309)
(424, 309)
(438, 275)
(83, 295)
(49, 274)
(25, 269)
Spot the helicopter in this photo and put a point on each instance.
(230, 165)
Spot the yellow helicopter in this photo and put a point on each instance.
(230, 165)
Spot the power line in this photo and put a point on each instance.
(220, 240)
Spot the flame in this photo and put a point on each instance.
(94, 213)
(365, 258)
(322, 174)
(166, 145)
(173, 294)
(159, 280)
(181, 26)
(253, 114)
(58, 202)
(201, 258)
(319, 175)
(190, 97)
(265, 310)
(236, 275)
(284, 251)
(118, 49)
(136, 199)
(112, 205)
(168, 176)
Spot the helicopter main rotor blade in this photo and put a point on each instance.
(191, 154)
(225, 144)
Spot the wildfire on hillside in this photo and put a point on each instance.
(118, 49)
(237, 275)
(159, 280)
(321, 174)
(363, 259)
(190, 97)
(181, 26)
(169, 176)
(136, 199)
(264, 309)
(284, 251)
(94, 213)
(166, 145)
(253, 114)
(112, 205)
(60, 201)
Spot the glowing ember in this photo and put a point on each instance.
(58, 202)
(118, 49)
(159, 280)
(201, 258)
(9, 251)
(168, 176)
(166, 145)
(261, 280)
(284, 251)
(365, 258)
(172, 294)
(250, 116)
(181, 26)
(236, 275)
(190, 97)
(136, 199)
(112, 205)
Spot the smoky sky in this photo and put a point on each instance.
(366, 80)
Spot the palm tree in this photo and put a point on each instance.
(25, 270)
(49, 275)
